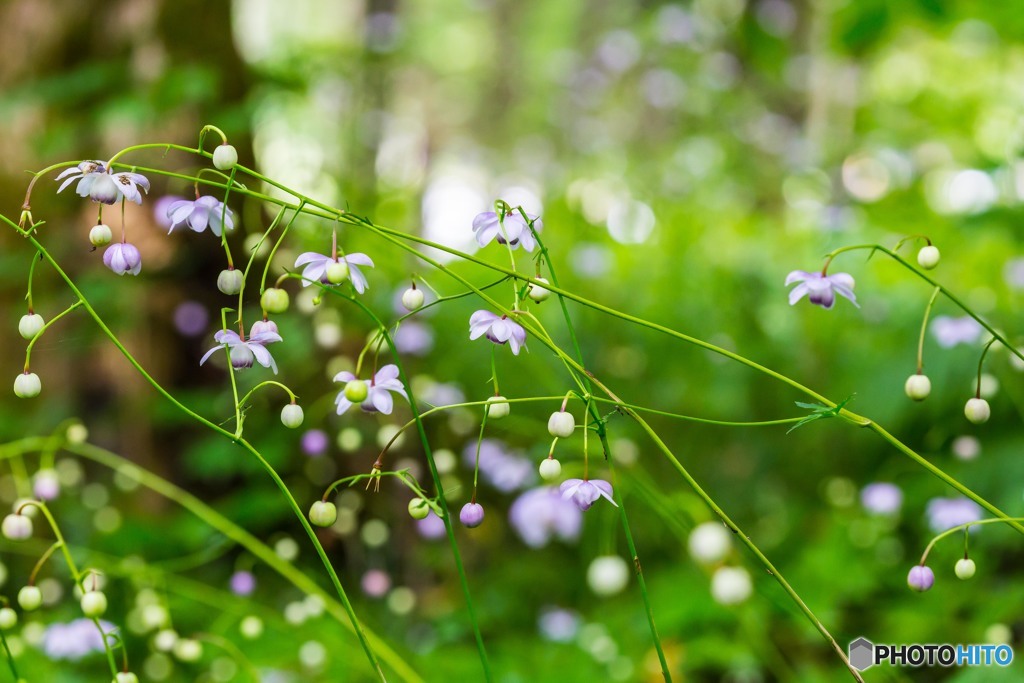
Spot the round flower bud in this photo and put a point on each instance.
(126, 677)
(356, 391)
(27, 385)
(30, 598)
(550, 469)
(472, 515)
(561, 424)
(188, 650)
(94, 604)
(928, 257)
(291, 415)
(337, 272)
(100, 235)
(497, 407)
(608, 575)
(731, 585)
(977, 410)
(251, 627)
(709, 542)
(539, 294)
(225, 157)
(412, 298)
(8, 618)
(918, 387)
(274, 300)
(418, 508)
(230, 281)
(46, 484)
(920, 578)
(323, 513)
(30, 325)
(16, 527)
(965, 568)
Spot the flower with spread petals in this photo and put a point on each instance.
(122, 258)
(584, 492)
(204, 212)
(314, 268)
(99, 184)
(509, 228)
(499, 329)
(243, 352)
(820, 289)
(377, 397)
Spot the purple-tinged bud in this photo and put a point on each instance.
(928, 257)
(103, 189)
(291, 415)
(123, 258)
(30, 598)
(472, 515)
(100, 235)
(918, 387)
(241, 356)
(30, 325)
(27, 385)
(16, 527)
(412, 299)
(977, 410)
(225, 157)
(94, 604)
(263, 327)
(920, 578)
(274, 300)
(497, 407)
(46, 484)
(965, 568)
(418, 508)
(561, 424)
(230, 281)
(323, 513)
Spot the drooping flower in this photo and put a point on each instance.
(542, 514)
(204, 212)
(820, 289)
(99, 184)
(122, 257)
(378, 398)
(509, 228)
(920, 578)
(584, 492)
(499, 329)
(243, 352)
(314, 268)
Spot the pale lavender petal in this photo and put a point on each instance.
(359, 260)
(382, 400)
(344, 376)
(310, 257)
(358, 279)
(263, 356)
(798, 293)
(798, 276)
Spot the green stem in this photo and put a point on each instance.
(963, 527)
(924, 326)
(981, 361)
(32, 342)
(265, 383)
(10, 657)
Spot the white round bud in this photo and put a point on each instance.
(561, 424)
(965, 568)
(100, 235)
(928, 257)
(126, 677)
(537, 293)
(608, 575)
(731, 585)
(497, 407)
(418, 508)
(27, 385)
(356, 391)
(709, 542)
(918, 387)
(323, 513)
(30, 325)
(412, 299)
(30, 598)
(230, 281)
(8, 618)
(291, 415)
(16, 527)
(977, 410)
(225, 157)
(188, 650)
(550, 469)
(94, 604)
(337, 272)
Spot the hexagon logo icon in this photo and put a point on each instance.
(862, 654)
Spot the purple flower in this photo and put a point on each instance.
(97, 183)
(881, 498)
(241, 352)
(508, 229)
(315, 269)
(198, 215)
(946, 513)
(499, 330)
(820, 289)
(122, 257)
(263, 327)
(243, 583)
(75, 639)
(584, 492)
(314, 442)
(160, 207)
(377, 397)
(949, 331)
(471, 515)
(542, 513)
(920, 578)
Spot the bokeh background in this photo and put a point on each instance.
(685, 157)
